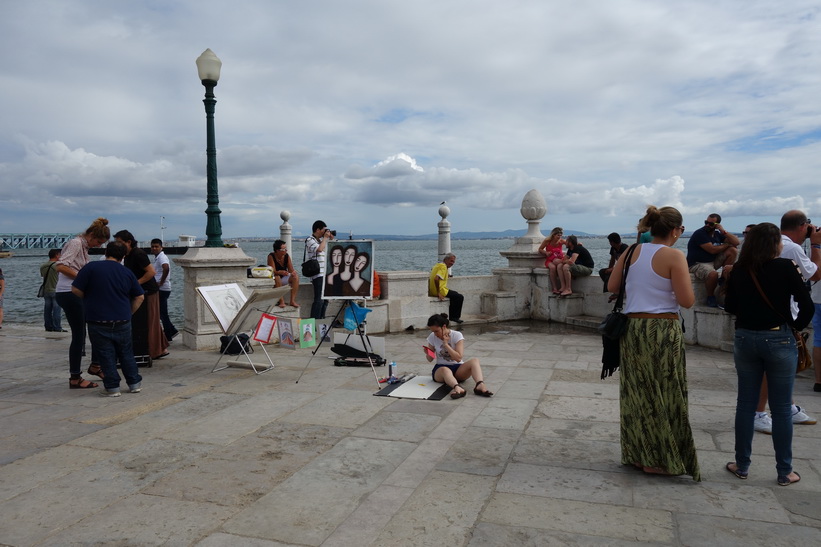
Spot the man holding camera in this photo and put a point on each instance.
(795, 229)
(315, 248)
(710, 248)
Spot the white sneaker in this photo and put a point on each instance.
(763, 424)
(801, 417)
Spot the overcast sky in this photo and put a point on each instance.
(369, 113)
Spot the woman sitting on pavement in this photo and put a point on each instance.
(764, 343)
(448, 347)
(284, 272)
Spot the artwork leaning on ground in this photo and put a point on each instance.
(348, 270)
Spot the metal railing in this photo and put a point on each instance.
(34, 241)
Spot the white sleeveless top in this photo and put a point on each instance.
(647, 291)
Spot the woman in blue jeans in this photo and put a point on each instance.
(758, 294)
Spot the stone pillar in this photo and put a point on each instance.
(525, 251)
(444, 231)
(204, 266)
(285, 230)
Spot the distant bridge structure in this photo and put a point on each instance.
(34, 241)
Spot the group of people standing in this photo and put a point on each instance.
(768, 294)
(120, 307)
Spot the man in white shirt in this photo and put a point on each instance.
(162, 269)
(795, 228)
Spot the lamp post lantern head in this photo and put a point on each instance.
(208, 67)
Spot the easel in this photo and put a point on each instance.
(366, 343)
(245, 320)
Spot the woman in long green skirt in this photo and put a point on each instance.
(655, 427)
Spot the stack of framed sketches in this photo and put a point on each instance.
(237, 314)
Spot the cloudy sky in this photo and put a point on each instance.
(369, 113)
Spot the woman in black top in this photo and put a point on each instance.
(284, 271)
(146, 327)
(764, 343)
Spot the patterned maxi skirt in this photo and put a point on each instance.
(655, 427)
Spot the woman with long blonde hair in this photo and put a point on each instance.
(551, 248)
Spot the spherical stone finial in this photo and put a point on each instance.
(444, 211)
(285, 216)
(534, 206)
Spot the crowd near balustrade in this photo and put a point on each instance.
(520, 291)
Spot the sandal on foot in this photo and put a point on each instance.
(95, 370)
(732, 467)
(457, 394)
(484, 393)
(81, 383)
(655, 470)
(784, 480)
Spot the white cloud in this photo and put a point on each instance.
(603, 107)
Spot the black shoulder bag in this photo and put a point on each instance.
(41, 292)
(614, 325)
(310, 267)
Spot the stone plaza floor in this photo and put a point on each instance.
(234, 458)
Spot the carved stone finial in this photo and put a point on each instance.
(285, 216)
(534, 206)
(444, 211)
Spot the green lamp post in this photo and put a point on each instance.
(208, 67)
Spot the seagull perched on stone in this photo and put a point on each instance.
(442, 203)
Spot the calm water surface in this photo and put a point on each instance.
(474, 257)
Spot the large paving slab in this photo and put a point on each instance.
(234, 458)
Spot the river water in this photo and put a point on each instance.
(474, 257)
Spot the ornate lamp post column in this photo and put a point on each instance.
(208, 67)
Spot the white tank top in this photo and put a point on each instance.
(647, 291)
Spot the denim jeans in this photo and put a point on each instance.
(75, 315)
(318, 306)
(51, 312)
(167, 325)
(770, 352)
(112, 343)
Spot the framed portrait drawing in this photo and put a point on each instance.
(348, 269)
(224, 301)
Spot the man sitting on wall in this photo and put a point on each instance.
(711, 248)
(438, 286)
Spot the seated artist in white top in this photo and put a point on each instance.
(448, 347)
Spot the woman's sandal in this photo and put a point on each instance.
(484, 393)
(732, 467)
(457, 394)
(95, 370)
(784, 480)
(81, 383)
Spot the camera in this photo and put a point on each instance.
(332, 232)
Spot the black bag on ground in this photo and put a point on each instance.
(310, 267)
(232, 345)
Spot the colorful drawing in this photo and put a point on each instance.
(307, 328)
(286, 333)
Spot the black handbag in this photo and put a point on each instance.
(41, 292)
(310, 267)
(233, 345)
(614, 325)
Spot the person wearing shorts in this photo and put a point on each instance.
(711, 248)
(450, 368)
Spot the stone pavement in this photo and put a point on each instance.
(234, 458)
